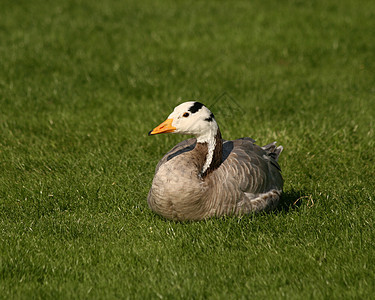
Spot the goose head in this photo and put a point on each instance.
(192, 118)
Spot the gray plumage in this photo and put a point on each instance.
(247, 180)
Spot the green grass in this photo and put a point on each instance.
(82, 83)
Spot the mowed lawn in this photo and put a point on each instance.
(82, 83)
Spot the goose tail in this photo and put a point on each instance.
(273, 151)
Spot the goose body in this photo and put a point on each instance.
(207, 176)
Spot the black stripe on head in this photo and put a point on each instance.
(195, 107)
(210, 118)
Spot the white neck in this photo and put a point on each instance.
(208, 137)
(210, 154)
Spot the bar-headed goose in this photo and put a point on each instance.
(207, 176)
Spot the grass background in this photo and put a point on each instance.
(81, 84)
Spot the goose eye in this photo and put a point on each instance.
(185, 115)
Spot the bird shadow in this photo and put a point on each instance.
(290, 200)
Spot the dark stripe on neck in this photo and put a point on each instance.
(210, 119)
(195, 107)
(202, 149)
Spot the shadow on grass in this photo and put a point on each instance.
(290, 200)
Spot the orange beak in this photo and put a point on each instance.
(164, 127)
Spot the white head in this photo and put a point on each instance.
(190, 118)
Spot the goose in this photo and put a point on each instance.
(207, 176)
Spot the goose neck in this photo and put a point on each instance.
(210, 152)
